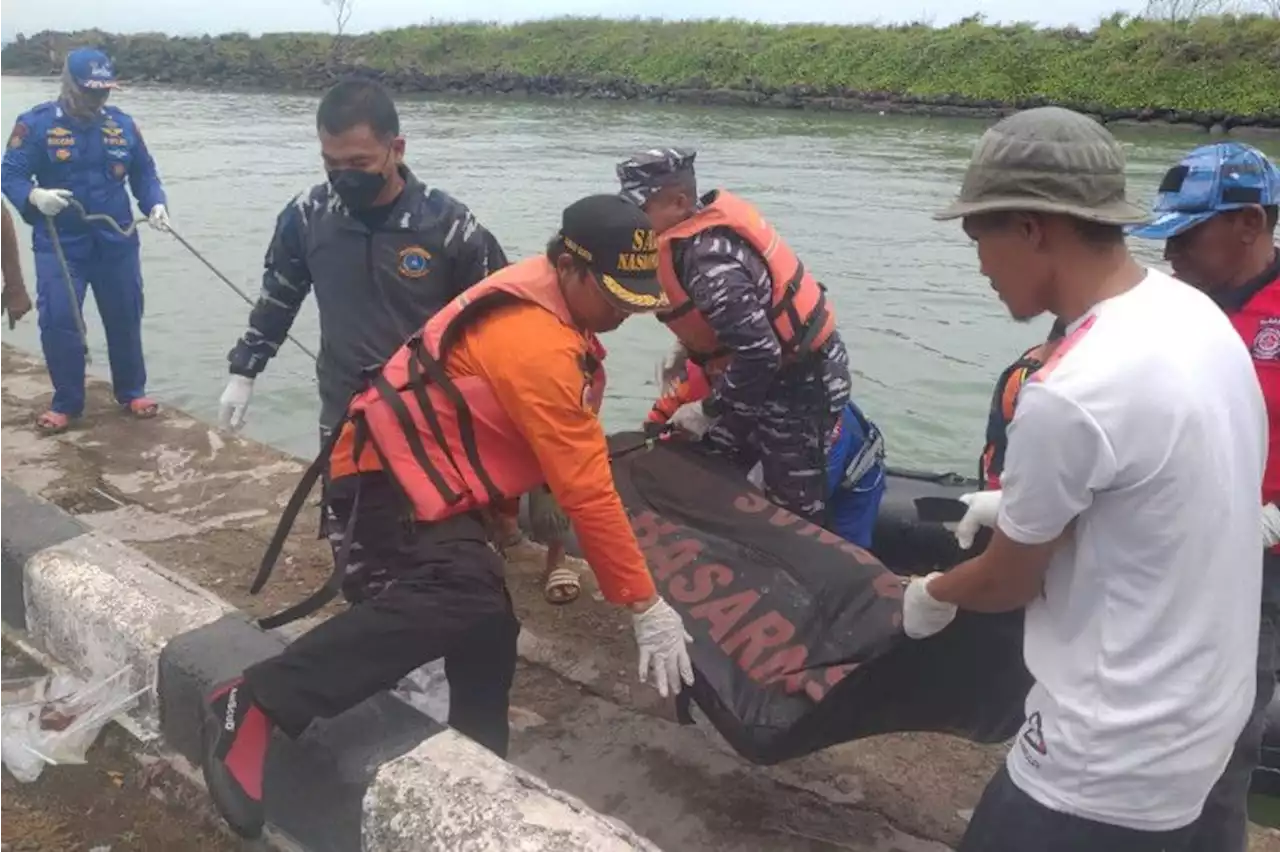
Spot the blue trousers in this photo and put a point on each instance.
(115, 274)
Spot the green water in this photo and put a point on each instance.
(852, 194)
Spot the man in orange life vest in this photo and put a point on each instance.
(746, 310)
(1216, 212)
(495, 396)
(1003, 402)
(985, 503)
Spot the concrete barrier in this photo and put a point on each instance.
(382, 777)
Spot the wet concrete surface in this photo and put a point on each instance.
(203, 504)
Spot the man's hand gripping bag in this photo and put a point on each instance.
(798, 643)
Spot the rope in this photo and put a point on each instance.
(225, 280)
(128, 231)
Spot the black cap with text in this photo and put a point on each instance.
(616, 240)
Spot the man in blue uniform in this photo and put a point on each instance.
(78, 148)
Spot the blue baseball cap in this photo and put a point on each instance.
(1210, 180)
(91, 69)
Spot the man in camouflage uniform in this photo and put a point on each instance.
(760, 408)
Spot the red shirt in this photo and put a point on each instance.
(1254, 310)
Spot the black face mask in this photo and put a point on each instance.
(357, 188)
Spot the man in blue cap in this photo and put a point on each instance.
(77, 148)
(1216, 211)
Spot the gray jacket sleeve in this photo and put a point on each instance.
(286, 281)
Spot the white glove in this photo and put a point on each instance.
(159, 218)
(234, 403)
(661, 637)
(922, 614)
(672, 365)
(692, 419)
(1270, 525)
(50, 202)
(983, 508)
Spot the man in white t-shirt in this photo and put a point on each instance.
(1127, 523)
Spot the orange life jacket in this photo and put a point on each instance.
(447, 442)
(1003, 402)
(800, 315)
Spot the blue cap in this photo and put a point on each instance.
(91, 69)
(1211, 180)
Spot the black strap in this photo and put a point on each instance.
(389, 395)
(418, 387)
(466, 424)
(668, 317)
(321, 596)
(804, 332)
(817, 320)
(684, 699)
(788, 293)
(702, 359)
(290, 515)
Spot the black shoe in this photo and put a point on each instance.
(234, 740)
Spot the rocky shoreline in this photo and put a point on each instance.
(790, 98)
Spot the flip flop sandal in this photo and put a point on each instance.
(506, 543)
(561, 586)
(53, 422)
(142, 408)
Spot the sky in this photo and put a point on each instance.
(191, 17)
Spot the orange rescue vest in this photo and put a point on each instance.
(799, 313)
(446, 443)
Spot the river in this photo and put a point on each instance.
(853, 194)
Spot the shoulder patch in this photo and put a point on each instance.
(1266, 340)
(19, 135)
(1064, 346)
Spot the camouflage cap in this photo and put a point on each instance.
(1047, 160)
(649, 171)
(1210, 180)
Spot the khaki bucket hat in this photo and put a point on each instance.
(1047, 160)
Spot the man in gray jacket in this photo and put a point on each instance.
(381, 250)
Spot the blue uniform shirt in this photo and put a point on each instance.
(93, 158)
(855, 477)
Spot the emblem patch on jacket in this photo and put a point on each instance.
(415, 262)
(18, 135)
(1266, 342)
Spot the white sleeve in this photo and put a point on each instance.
(1057, 457)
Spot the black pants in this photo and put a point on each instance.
(444, 597)
(1008, 820)
(1223, 826)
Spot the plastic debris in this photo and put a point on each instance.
(54, 719)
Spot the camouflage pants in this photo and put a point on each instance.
(788, 433)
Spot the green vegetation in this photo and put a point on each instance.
(1224, 66)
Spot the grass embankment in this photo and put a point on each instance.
(1203, 71)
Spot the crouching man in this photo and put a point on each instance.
(489, 401)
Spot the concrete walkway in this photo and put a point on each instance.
(203, 504)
